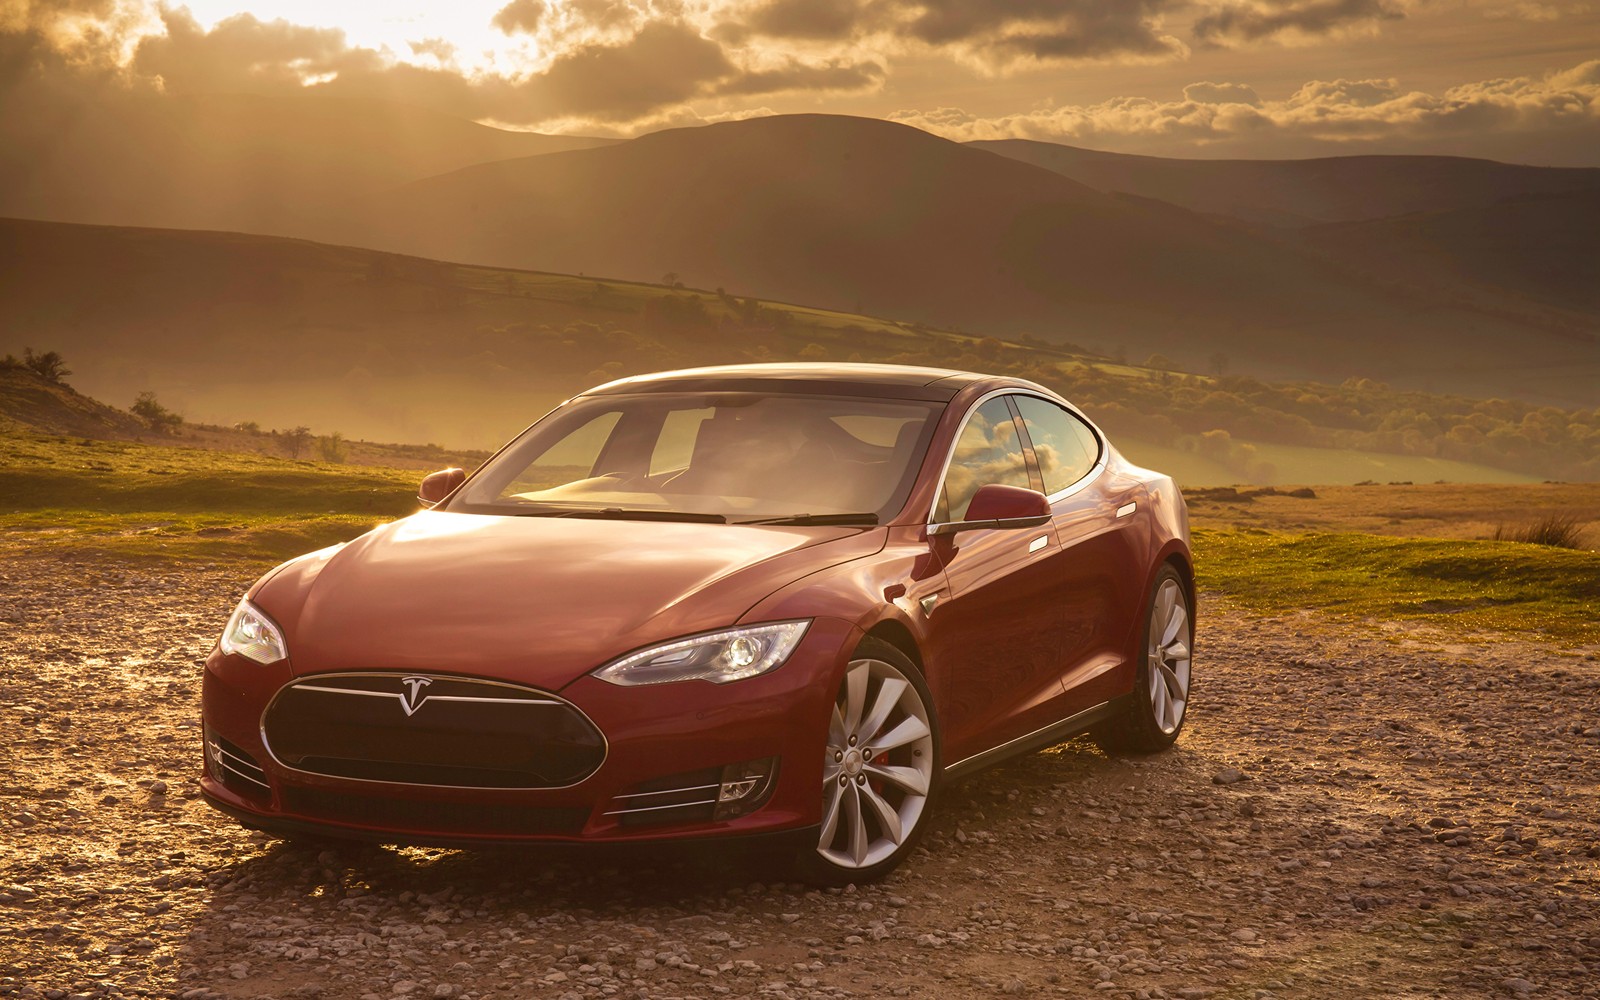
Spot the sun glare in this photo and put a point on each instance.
(404, 30)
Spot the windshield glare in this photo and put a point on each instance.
(738, 456)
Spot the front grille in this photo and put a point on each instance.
(414, 729)
(237, 770)
(690, 797)
(432, 817)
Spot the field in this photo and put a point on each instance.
(1391, 552)
(1386, 787)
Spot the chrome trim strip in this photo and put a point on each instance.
(668, 791)
(1053, 498)
(1126, 509)
(605, 744)
(1044, 736)
(645, 809)
(432, 697)
(241, 761)
(253, 781)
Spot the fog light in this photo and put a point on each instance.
(745, 787)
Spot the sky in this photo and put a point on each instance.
(1510, 79)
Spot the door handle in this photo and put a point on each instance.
(1038, 543)
(1126, 509)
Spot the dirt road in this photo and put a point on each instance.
(1355, 811)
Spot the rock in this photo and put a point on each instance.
(1227, 776)
(1517, 985)
(1244, 934)
(158, 788)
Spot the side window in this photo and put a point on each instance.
(988, 451)
(1065, 446)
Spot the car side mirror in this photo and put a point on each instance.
(997, 506)
(438, 485)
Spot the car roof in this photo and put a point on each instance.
(886, 381)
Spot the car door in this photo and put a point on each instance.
(994, 630)
(1098, 556)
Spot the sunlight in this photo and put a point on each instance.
(472, 43)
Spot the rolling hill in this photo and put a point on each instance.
(272, 332)
(1292, 193)
(1541, 248)
(870, 216)
(247, 162)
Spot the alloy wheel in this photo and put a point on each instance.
(1169, 656)
(878, 768)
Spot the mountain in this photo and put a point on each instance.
(248, 162)
(1293, 193)
(1542, 248)
(866, 215)
(850, 214)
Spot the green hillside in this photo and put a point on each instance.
(227, 327)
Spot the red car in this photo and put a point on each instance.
(780, 602)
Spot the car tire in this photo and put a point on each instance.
(1163, 682)
(880, 770)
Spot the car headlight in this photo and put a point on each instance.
(252, 635)
(718, 657)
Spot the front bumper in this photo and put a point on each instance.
(653, 733)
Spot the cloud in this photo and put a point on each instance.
(441, 50)
(519, 15)
(828, 20)
(1220, 93)
(242, 52)
(995, 34)
(1328, 116)
(1291, 21)
(636, 69)
(664, 63)
(796, 75)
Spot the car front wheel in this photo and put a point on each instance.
(879, 769)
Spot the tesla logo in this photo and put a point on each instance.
(411, 699)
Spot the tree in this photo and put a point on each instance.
(49, 366)
(294, 442)
(670, 279)
(155, 416)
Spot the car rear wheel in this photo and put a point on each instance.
(1160, 701)
(879, 769)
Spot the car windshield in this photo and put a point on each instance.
(734, 456)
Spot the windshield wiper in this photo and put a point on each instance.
(816, 519)
(643, 514)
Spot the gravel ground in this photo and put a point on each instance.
(1355, 811)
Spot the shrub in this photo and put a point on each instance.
(155, 416)
(332, 447)
(1563, 531)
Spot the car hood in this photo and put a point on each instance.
(532, 600)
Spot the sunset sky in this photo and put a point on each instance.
(1510, 79)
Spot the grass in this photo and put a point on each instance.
(154, 502)
(1527, 591)
(1564, 531)
(71, 496)
(1307, 464)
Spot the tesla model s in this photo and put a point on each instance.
(777, 604)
